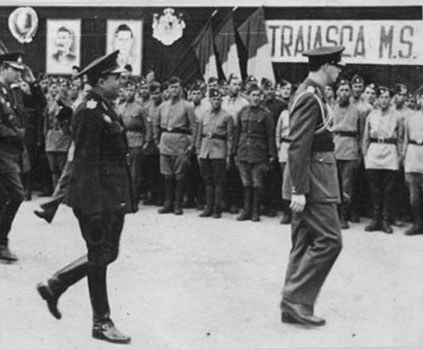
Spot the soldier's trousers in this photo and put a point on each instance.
(316, 244)
(153, 182)
(346, 172)
(60, 192)
(381, 183)
(11, 197)
(136, 162)
(102, 235)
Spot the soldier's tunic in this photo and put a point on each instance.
(214, 144)
(346, 129)
(174, 130)
(254, 144)
(413, 159)
(311, 171)
(233, 186)
(134, 118)
(11, 154)
(382, 146)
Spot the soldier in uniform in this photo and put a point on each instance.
(153, 178)
(99, 193)
(413, 164)
(214, 147)
(174, 130)
(255, 150)
(346, 128)
(273, 177)
(312, 187)
(134, 118)
(233, 103)
(382, 146)
(12, 135)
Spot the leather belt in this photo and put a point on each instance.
(176, 130)
(211, 135)
(383, 140)
(285, 140)
(346, 133)
(416, 142)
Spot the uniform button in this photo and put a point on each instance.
(320, 160)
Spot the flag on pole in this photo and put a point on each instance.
(204, 50)
(226, 48)
(254, 37)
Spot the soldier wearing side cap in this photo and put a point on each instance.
(346, 129)
(99, 194)
(214, 148)
(312, 187)
(12, 135)
(255, 150)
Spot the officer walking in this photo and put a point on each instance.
(99, 193)
(214, 147)
(312, 187)
(12, 134)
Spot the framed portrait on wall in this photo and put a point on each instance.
(63, 45)
(126, 36)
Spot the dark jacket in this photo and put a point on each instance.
(12, 133)
(254, 135)
(100, 181)
(311, 169)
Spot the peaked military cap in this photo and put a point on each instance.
(143, 82)
(214, 93)
(357, 79)
(265, 83)
(101, 66)
(325, 54)
(14, 59)
(251, 78)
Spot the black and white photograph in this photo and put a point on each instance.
(215, 175)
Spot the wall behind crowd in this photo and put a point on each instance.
(165, 60)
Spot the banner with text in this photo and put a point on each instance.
(366, 41)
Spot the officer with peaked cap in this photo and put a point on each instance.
(11, 150)
(312, 187)
(99, 193)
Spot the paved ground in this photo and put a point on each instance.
(185, 282)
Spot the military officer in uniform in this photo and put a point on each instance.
(312, 187)
(12, 134)
(99, 193)
(214, 148)
(255, 150)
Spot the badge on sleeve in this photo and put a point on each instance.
(91, 104)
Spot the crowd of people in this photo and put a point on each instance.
(221, 146)
(370, 178)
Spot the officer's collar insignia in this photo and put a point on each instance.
(311, 89)
(92, 104)
(107, 118)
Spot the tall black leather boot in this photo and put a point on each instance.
(54, 287)
(386, 222)
(169, 190)
(246, 212)
(208, 210)
(218, 201)
(255, 216)
(179, 195)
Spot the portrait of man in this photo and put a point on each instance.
(125, 36)
(63, 40)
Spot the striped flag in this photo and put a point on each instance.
(254, 37)
(226, 49)
(204, 50)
